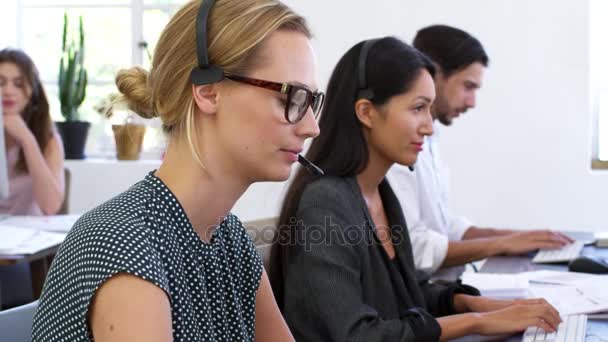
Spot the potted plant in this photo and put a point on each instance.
(129, 136)
(72, 91)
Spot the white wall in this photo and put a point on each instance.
(96, 180)
(520, 159)
(8, 23)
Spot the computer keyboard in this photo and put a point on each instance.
(564, 254)
(572, 329)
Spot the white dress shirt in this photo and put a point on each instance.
(423, 195)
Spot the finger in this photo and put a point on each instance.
(550, 316)
(531, 301)
(564, 237)
(554, 312)
(541, 323)
(546, 245)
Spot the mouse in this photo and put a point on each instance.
(588, 264)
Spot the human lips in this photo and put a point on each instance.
(418, 145)
(8, 103)
(292, 153)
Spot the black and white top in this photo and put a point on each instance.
(145, 232)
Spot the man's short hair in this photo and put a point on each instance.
(450, 48)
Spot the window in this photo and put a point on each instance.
(599, 80)
(116, 32)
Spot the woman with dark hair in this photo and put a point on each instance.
(33, 148)
(342, 269)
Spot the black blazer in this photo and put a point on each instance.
(339, 284)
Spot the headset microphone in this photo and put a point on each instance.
(310, 167)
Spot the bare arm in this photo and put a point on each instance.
(495, 317)
(474, 232)
(461, 252)
(269, 324)
(456, 326)
(46, 169)
(129, 309)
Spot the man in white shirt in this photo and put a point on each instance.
(440, 239)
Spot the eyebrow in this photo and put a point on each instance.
(424, 98)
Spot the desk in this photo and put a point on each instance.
(39, 264)
(597, 330)
(45, 242)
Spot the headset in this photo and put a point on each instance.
(204, 73)
(364, 92)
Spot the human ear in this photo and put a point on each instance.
(206, 97)
(364, 110)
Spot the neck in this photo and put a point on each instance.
(207, 195)
(373, 174)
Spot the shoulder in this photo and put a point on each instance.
(332, 203)
(114, 237)
(329, 189)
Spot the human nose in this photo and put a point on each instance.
(7, 89)
(471, 100)
(308, 126)
(427, 125)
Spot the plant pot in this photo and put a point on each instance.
(129, 139)
(74, 135)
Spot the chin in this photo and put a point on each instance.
(410, 161)
(278, 174)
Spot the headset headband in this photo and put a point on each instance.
(364, 92)
(205, 73)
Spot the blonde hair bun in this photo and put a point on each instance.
(133, 85)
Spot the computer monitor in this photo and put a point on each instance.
(4, 191)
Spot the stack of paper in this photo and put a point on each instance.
(571, 293)
(56, 223)
(496, 285)
(20, 241)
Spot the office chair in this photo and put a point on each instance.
(66, 199)
(16, 323)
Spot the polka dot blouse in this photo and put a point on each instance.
(145, 232)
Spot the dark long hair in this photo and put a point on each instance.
(341, 150)
(451, 48)
(36, 113)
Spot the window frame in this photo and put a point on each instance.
(137, 9)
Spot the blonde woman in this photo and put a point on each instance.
(166, 260)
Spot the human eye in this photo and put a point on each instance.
(418, 107)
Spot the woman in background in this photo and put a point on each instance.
(34, 151)
(343, 268)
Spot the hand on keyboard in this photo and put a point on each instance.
(518, 317)
(525, 242)
(564, 254)
(572, 329)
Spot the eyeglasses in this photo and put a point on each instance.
(298, 97)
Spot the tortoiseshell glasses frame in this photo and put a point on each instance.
(299, 98)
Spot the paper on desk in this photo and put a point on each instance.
(18, 241)
(497, 285)
(54, 223)
(586, 297)
(557, 277)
